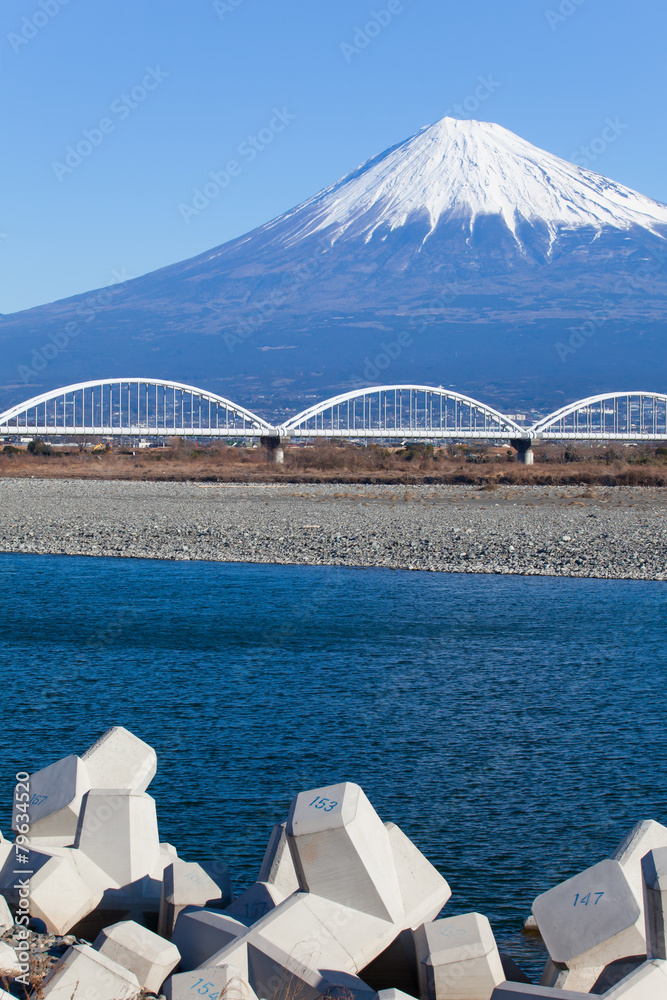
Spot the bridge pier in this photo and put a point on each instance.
(524, 450)
(274, 444)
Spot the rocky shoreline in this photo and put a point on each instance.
(576, 531)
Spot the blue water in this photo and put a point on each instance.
(513, 727)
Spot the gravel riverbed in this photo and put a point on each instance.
(614, 532)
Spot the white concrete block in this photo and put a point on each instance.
(31, 860)
(65, 890)
(64, 886)
(424, 891)
(458, 959)
(644, 837)
(84, 974)
(118, 831)
(373, 885)
(319, 935)
(147, 955)
(120, 759)
(278, 866)
(524, 991)
(221, 982)
(7, 851)
(184, 884)
(52, 805)
(308, 946)
(277, 976)
(341, 850)
(394, 995)
(589, 921)
(311, 938)
(648, 982)
(9, 963)
(199, 934)
(257, 900)
(654, 869)
(6, 918)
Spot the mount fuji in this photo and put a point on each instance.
(462, 256)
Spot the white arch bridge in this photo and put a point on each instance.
(140, 407)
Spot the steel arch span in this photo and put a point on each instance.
(132, 407)
(612, 416)
(404, 412)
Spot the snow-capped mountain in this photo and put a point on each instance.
(463, 255)
(463, 170)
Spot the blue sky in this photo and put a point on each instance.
(313, 87)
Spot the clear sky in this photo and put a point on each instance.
(180, 85)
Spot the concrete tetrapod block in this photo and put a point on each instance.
(648, 982)
(118, 831)
(394, 994)
(256, 902)
(373, 884)
(654, 873)
(589, 921)
(65, 890)
(199, 934)
(119, 759)
(458, 959)
(644, 837)
(144, 953)
(524, 991)
(278, 866)
(184, 884)
(307, 943)
(11, 882)
(9, 963)
(84, 974)
(221, 982)
(6, 918)
(64, 887)
(276, 976)
(7, 851)
(138, 901)
(341, 850)
(52, 806)
(424, 891)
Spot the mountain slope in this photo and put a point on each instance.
(463, 255)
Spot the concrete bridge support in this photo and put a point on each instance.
(275, 448)
(524, 450)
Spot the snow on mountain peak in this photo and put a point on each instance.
(462, 170)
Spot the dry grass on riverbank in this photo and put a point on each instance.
(326, 462)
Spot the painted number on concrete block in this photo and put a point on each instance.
(585, 900)
(326, 804)
(205, 989)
